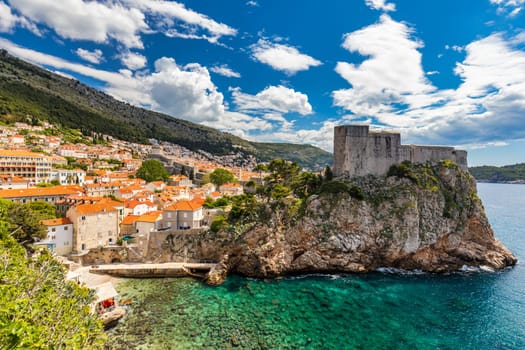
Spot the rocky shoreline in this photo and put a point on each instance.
(431, 221)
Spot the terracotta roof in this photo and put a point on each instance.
(56, 222)
(129, 220)
(34, 192)
(9, 178)
(198, 201)
(17, 153)
(230, 185)
(184, 206)
(132, 203)
(150, 217)
(97, 208)
(107, 200)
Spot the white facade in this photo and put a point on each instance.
(59, 236)
(69, 177)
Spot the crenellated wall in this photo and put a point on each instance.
(359, 151)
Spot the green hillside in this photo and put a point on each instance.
(507, 173)
(30, 91)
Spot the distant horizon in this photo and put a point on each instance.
(442, 72)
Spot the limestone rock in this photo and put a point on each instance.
(433, 222)
(217, 275)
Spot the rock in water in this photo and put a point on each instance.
(218, 273)
(427, 217)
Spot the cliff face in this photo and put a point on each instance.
(428, 218)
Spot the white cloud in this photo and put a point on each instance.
(184, 91)
(322, 137)
(123, 20)
(456, 48)
(392, 71)
(80, 20)
(272, 99)
(510, 8)
(390, 87)
(282, 57)
(168, 16)
(226, 71)
(94, 56)
(252, 3)
(380, 5)
(7, 19)
(133, 60)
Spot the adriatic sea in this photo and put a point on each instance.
(468, 310)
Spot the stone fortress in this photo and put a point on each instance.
(359, 151)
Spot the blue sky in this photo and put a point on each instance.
(447, 72)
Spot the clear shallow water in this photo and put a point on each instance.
(375, 311)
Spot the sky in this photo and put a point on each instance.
(441, 72)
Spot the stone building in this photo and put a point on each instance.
(94, 225)
(359, 151)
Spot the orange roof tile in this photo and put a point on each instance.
(150, 217)
(129, 220)
(198, 201)
(97, 208)
(231, 185)
(18, 153)
(184, 206)
(56, 222)
(38, 192)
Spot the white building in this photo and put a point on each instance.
(69, 177)
(59, 236)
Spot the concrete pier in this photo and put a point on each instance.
(153, 270)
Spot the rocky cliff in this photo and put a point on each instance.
(420, 217)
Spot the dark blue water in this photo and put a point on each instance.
(477, 310)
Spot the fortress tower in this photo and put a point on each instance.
(359, 151)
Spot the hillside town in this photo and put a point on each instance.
(99, 200)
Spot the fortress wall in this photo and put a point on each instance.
(359, 151)
(350, 145)
(381, 153)
(461, 159)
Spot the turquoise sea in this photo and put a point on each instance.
(470, 310)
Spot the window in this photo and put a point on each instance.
(65, 228)
(83, 218)
(185, 215)
(53, 229)
(169, 215)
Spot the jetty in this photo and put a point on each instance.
(171, 269)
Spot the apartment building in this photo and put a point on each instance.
(35, 167)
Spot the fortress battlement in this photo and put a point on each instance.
(359, 151)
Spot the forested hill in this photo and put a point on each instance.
(28, 90)
(507, 173)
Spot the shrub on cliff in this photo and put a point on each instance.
(336, 187)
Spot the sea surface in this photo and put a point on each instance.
(469, 310)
